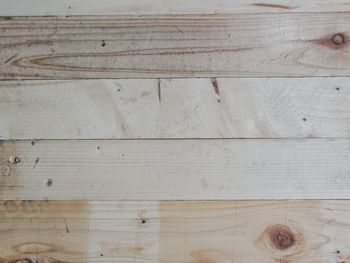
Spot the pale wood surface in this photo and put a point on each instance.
(175, 232)
(141, 7)
(297, 44)
(175, 169)
(274, 81)
(176, 108)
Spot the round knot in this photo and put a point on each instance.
(281, 236)
(338, 39)
(5, 170)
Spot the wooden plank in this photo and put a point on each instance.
(297, 44)
(175, 232)
(175, 169)
(175, 108)
(141, 7)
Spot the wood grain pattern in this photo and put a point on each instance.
(175, 108)
(297, 44)
(175, 232)
(142, 7)
(175, 169)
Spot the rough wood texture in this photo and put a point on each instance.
(175, 169)
(177, 108)
(142, 7)
(175, 232)
(297, 44)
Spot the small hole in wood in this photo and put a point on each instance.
(304, 119)
(14, 159)
(49, 182)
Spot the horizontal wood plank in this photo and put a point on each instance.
(175, 108)
(141, 7)
(175, 232)
(175, 169)
(231, 45)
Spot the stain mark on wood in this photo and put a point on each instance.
(279, 6)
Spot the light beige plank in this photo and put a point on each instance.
(298, 44)
(176, 108)
(175, 169)
(175, 232)
(140, 7)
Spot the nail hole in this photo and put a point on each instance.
(49, 182)
(304, 119)
(14, 159)
(101, 255)
(103, 44)
(337, 88)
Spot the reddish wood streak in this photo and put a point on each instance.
(274, 6)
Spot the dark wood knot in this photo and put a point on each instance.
(338, 39)
(281, 236)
